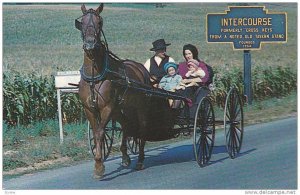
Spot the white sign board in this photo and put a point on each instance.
(64, 79)
(65, 82)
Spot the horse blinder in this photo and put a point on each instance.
(78, 25)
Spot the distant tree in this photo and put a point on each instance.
(160, 5)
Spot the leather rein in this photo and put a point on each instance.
(101, 75)
(94, 78)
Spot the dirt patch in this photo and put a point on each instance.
(10, 153)
(37, 166)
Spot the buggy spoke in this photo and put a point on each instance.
(106, 143)
(237, 136)
(233, 122)
(204, 132)
(237, 113)
(238, 129)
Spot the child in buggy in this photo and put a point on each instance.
(171, 80)
(194, 75)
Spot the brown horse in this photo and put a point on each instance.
(103, 99)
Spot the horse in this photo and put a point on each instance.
(103, 99)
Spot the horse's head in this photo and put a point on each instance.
(90, 27)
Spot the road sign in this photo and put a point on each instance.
(246, 27)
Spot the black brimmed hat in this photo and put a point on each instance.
(159, 44)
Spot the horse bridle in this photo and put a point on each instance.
(91, 23)
(98, 32)
(95, 78)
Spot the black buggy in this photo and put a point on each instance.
(197, 118)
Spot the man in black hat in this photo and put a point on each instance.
(155, 65)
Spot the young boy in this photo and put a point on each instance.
(171, 80)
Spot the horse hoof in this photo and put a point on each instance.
(99, 172)
(139, 166)
(125, 164)
(97, 176)
(126, 161)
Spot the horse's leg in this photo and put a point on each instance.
(97, 132)
(105, 117)
(143, 119)
(125, 157)
(140, 163)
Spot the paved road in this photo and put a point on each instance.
(268, 160)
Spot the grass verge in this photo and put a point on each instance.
(37, 151)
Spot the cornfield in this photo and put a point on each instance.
(31, 98)
(266, 82)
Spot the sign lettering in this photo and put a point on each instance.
(246, 27)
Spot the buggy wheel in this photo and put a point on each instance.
(204, 132)
(233, 122)
(133, 144)
(107, 141)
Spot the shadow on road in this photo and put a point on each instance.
(222, 149)
(108, 178)
(166, 155)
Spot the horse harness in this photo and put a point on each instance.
(96, 78)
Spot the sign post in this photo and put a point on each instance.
(62, 84)
(247, 75)
(246, 27)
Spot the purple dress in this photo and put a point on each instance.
(183, 69)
